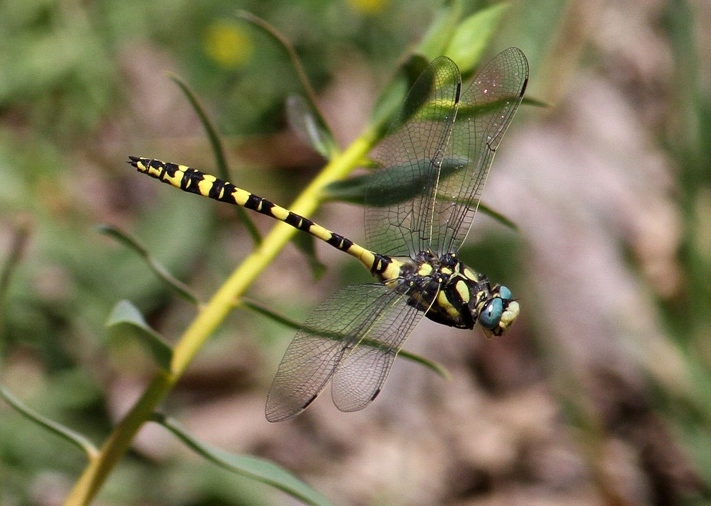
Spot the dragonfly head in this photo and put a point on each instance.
(498, 311)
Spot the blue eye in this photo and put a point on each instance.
(505, 293)
(490, 317)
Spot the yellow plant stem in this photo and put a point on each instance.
(119, 441)
(207, 320)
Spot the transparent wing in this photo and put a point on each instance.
(448, 159)
(485, 111)
(328, 336)
(410, 154)
(360, 376)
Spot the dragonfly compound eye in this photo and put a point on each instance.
(490, 317)
(505, 293)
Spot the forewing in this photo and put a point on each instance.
(329, 334)
(360, 376)
(410, 156)
(485, 112)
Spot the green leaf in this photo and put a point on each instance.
(327, 138)
(355, 189)
(471, 110)
(219, 152)
(306, 243)
(535, 102)
(18, 243)
(263, 310)
(483, 208)
(261, 470)
(435, 367)
(393, 95)
(407, 187)
(158, 268)
(473, 35)
(60, 430)
(305, 123)
(126, 320)
(440, 32)
(464, 42)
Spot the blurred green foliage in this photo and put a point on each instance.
(68, 118)
(66, 126)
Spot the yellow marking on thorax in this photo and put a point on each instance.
(424, 270)
(470, 274)
(463, 291)
(443, 302)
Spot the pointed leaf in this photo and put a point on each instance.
(440, 31)
(261, 470)
(355, 189)
(473, 36)
(393, 95)
(473, 110)
(497, 216)
(433, 366)
(305, 123)
(158, 268)
(65, 433)
(125, 320)
(536, 102)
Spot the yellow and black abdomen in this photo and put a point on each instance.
(195, 181)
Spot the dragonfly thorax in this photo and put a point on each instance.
(452, 294)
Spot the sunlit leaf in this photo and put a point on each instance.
(473, 35)
(440, 31)
(393, 95)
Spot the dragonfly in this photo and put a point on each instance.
(441, 144)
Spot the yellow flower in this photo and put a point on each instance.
(227, 44)
(368, 7)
